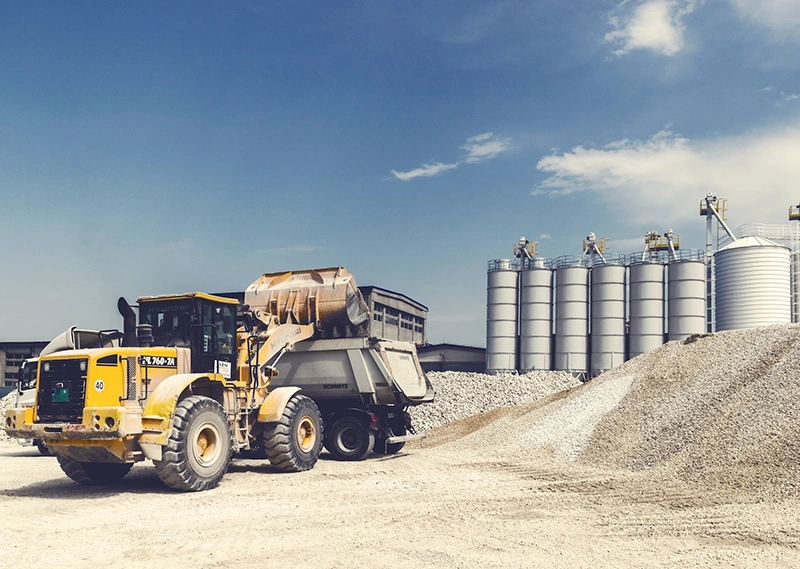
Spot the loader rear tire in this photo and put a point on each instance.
(198, 450)
(94, 473)
(293, 443)
(350, 439)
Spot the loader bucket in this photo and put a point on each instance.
(327, 297)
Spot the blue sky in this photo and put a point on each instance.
(154, 147)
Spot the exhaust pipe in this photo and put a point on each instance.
(128, 324)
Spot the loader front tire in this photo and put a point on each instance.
(94, 473)
(293, 443)
(198, 450)
(350, 439)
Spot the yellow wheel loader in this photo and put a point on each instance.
(188, 387)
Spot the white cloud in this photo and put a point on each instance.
(662, 180)
(545, 236)
(655, 25)
(485, 147)
(479, 148)
(783, 97)
(779, 15)
(426, 171)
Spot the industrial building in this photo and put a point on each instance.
(452, 357)
(588, 314)
(12, 354)
(395, 316)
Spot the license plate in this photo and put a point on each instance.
(61, 395)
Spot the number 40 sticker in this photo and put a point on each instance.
(99, 385)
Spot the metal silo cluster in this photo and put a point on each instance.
(584, 316)
(588, 314)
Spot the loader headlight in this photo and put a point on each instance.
(83, 365)
(46, 366)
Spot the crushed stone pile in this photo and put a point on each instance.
(724, 408)
(463, 394)
(720, 410)
(6, 402)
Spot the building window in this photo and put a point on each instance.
(14, 359)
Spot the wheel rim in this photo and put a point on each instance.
(306, 434)
(348, 439)
(207, 444)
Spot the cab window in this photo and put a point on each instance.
(223, 318)
(171, 321)
(28, 375)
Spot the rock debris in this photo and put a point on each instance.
(463, 394)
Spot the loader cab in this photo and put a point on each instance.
(202, 322)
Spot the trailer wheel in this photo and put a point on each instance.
(94, 473)
(293, 444)
(198, 450)
(350, 439)
(42, 446)
(382, 447)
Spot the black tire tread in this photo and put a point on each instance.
(94, 473)
(367, 443)
(382, 447)
(173, 468)
(42, 446)
(278, 444)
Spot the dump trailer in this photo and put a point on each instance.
(187, 388)
(362, 387)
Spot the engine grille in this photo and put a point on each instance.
(62, 390)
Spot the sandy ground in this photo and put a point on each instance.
(453, 500)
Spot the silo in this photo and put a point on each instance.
(646, 308)
(572, 319)
(686, 296)
(608, 317)
(535, 319)
(752, 284)
(501, 317)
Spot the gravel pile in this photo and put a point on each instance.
(6, 402)
(725, 407)
(462, 394)
(721, 409)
